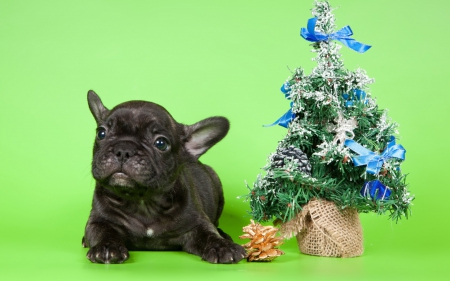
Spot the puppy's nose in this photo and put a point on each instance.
(123, 152)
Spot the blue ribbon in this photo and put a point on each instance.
(376, 190)
(284, 120)
(360, 95)
(342, 35)
(375, 161)
(285, 89)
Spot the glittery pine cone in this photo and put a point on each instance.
(262, 242)
(291, 153)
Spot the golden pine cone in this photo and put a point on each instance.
(261, 246)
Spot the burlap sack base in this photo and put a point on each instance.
(322, 229)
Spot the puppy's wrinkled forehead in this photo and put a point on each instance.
(133, 116)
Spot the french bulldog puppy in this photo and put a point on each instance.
(152, 192)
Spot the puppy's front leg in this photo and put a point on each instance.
(105, 244)
(206, 242)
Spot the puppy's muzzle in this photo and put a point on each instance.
(124, 151)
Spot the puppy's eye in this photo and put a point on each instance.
(101, 133)
(162, 144)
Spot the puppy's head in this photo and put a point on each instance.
(140, 149)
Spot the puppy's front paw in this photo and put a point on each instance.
(108, 252)
(223, 251)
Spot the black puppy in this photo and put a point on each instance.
(151, 191)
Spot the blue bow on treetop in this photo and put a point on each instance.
(376, 190)
(284, 120)
(342, 35)
(373, 160)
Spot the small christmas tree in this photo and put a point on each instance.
(339, 148)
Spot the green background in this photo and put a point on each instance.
(199, 59)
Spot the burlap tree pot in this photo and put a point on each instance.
(322, 229)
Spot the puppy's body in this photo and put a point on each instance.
(152, 193)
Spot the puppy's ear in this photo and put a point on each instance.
(98, 110)
(203, 135)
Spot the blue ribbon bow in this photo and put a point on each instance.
(358, 95)
(376, 190)
(375, 161)
(284, 120)
(342, 35)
